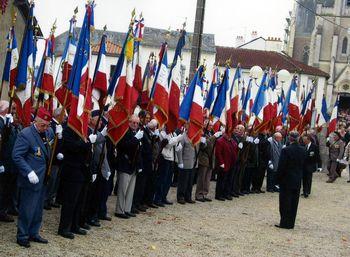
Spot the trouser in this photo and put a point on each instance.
(270, 180)
(288, 200)
(247, 179)
(126, 187)
(31, 204)
(150, 187)
(220, 183)
(238, 179)
(165, 175)
(230, 180)
(95, 197)
(141, 180)
(332, 168)
(86, 195)
(203, 181)
(185, 184)
(307, 181)
(8, 190)
(106, 189)
(52, 185)
(72, 197)
(258, 177)
(175, 179)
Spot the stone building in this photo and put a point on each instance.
(318, 34)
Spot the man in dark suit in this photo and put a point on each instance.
(289, 175)
(310, 166)
(31, 154)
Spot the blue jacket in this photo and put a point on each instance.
(30, 154)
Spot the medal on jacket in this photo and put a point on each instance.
(38, 152)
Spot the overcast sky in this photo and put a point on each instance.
(224, 18)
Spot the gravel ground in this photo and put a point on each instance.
(242, 227)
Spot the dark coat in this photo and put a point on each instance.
(129, 148)
(264, 151)
(312, 158)
(290, 166)
(77, 157)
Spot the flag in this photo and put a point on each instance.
(138, 36)
(62, 92)
(334, 117)
(24, 79)
(247, 101)
(322, 115)
(213, 90)
(122, 92)
(160, 94)
(80, 81)
(191, 109)
(99, 83)
(234, 99)
(270, 112)
(11, 61)
(306, 111)
(147, 81)
(291, 106)
(260, 103)
(175, 83)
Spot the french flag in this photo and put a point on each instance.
(260, 103)
(291, 106)
(147, 81)
(234, 98)
(138, 36)
(160, 94)
(175, 82)
(306, 111)
(62, 92)
(25, 72)
(247, 102)
(270, 112)
(99, 83)
(323, 117)
(11, 61)
(213, 90)
(191, 109)
(80, 81)
(334, 117)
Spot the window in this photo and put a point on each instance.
(347, 2)
(306, 53)
(112, 71)
(344, 47)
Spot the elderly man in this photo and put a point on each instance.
(276, 148)
(336, 152)
(289, 175)
(31, 154)
(129, 163)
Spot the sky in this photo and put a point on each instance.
(225, 18)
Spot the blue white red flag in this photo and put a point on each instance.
(213, 90)
(332, 126)
(290, 107)
(322, 114)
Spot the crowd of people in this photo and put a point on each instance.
(141, 168)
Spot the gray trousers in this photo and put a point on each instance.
(203, 181)
(125, 194)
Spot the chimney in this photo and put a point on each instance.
(239, 41)
(254, 35)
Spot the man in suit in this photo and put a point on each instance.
(129, 163)
(336, 152)
(31, 155)
(276, 148)
(289, 175)
(311, 161)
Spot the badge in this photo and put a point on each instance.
(38, 152)
(336, 146)
(312, 154)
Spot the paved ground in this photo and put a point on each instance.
(242, 227)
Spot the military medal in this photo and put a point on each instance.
(38, 152)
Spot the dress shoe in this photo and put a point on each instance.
(130, 214)
(330, 180)
(181, 201)
(39, 239)
(245, 192)
(142, 209)
(134, 211)
(200, 200)
(24, 243)
(6, 218)
(235, 195)
(241, 194)
(306, 195)
(220, 198)
(190, 201)
(229, 198)
(270, 190)
(348, 181)
(47, 207)
(55, 205)
(13, 212)
(167, 202)
(207, 199)
(261, 191)
(94, 223)
(151, 205)
(159, 204)
(68, 235)
(121, 216)
(279, 226)
(85, 226)
(107, 218)
(79, 231)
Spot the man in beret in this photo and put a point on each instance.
(31, 155)
(289, 175)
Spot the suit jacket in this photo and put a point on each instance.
(264, 151)
(226, 152)
(312, 158)
(290, 166)
(129, 159)
(336, 150)
(100, 145)
(187, 155)
(206, 153)
(276, 149)
(31, 154)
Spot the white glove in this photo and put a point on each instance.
(218, 134)
(319, 169)
(240, 145)
(327, 139)
(203, 140)
(140, 170)
(156, 132)
(256, 141)
(338, 160)
(139, 135)
(59, 129)
(33, 178)
(270, 165)
(284, 146)
(2, 169)
(9, 118)
(93, 138)
(104, 131)
(106, 176)
(269, 139)
(94, 176)
(222, 166)
(60, 156)
(178, 147)
(180, 165)
(249, 139)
